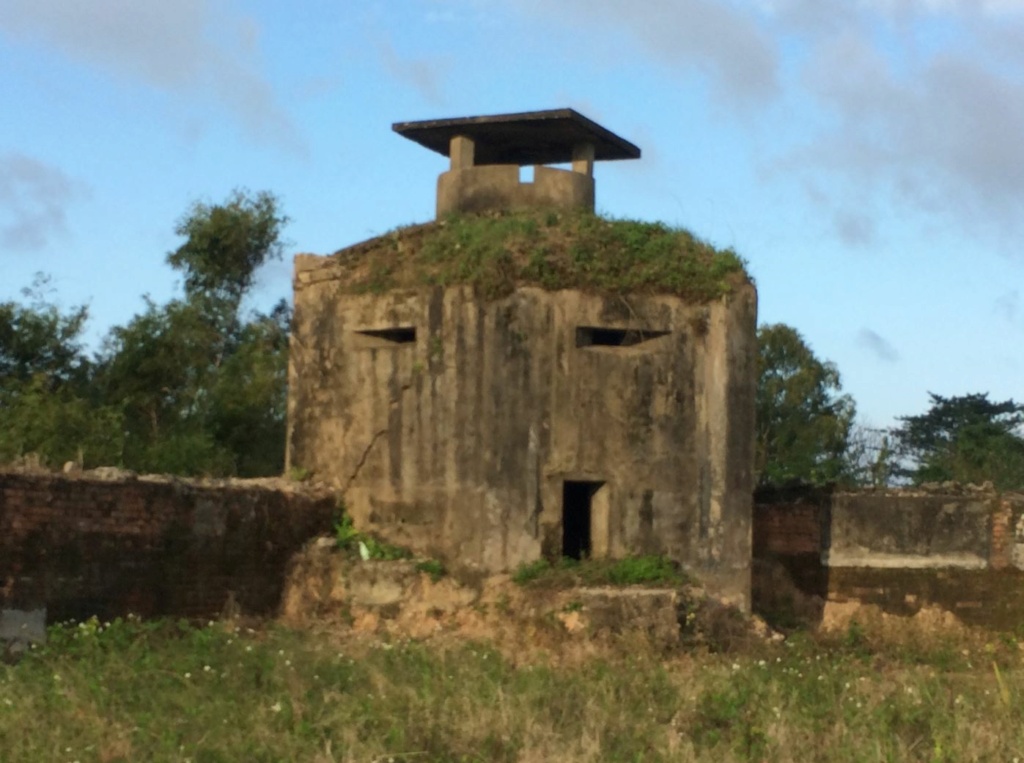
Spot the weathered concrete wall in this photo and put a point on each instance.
(497, 186)
(81, 546)
(910, 530)
(454, 433)
(960, 549)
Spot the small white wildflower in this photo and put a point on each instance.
(207, 668)
(288, 663)
(56, 677)
(248, 649)
(276, 707)
(735, 666)
(188, 675)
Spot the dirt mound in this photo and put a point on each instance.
(402, 599)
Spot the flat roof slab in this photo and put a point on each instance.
(531, 137)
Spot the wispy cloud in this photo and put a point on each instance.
(424, 75)
(186, 48)
(913, 107)
(926, 122)
(723, 41)
(878, 345)
(1007, 305)
(33, 201)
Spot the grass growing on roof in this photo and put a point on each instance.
(550, 249)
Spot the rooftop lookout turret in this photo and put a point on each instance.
(486, 154)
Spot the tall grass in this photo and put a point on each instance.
(171, 692)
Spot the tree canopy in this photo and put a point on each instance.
(194, 386)
(803, 420)
(965, 438)
(225, 244)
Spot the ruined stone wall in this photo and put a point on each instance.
(81, 546)
(958, 548)
(451, 422)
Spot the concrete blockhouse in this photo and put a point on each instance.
(536, 412)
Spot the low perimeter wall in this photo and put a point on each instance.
(961, 549)
(77, 546)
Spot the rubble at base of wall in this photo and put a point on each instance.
(398, 599)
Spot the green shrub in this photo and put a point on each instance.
(566, 572)
(432, 567)
(351, 540)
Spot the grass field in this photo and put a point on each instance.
(162, 691)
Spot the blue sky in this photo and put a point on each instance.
(865, 156)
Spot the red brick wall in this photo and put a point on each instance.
(787, 529)
(81, 546)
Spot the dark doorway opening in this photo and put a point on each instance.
(576, 511)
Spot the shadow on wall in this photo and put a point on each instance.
(77, 547)
(957, 548)
(789, 581)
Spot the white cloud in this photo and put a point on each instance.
(940, 135)
(424, 75)
(726, 43)
(33, 201)
(186, 48)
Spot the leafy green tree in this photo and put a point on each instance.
(39, 339)
(47, 405)
(966, 438)
(202, 385)
(803, 420)
(225, 244)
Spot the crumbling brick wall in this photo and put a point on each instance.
(81, 545)
(957, 547)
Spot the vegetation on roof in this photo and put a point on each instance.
(546, 248)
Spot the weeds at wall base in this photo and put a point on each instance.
(567, 573)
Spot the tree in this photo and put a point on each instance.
(203, 387)
(966, 438)
(225, 244)
(803, 422)
(38, 339)
(47, 404)
(870, 459)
